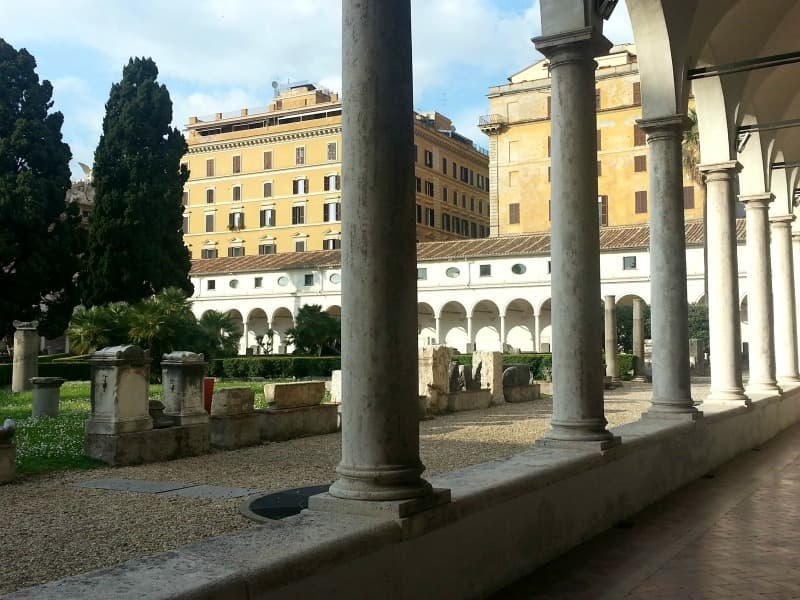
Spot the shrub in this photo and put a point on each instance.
(275, 367)
(625, 362)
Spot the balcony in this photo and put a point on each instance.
(491, 124)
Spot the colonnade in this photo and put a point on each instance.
(380, 442)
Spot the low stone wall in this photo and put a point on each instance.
(233, 422)
(152, 445)
(468, 400)
(521, 393)
(525, 510)
(293, 395)
(276, 425)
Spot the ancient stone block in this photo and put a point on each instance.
(232, 401)
(294, 395)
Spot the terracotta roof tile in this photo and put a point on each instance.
(611, 238)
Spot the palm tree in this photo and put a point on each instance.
(221, 334)
(99, 326)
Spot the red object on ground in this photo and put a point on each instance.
(208, 393)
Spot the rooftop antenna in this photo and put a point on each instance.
(275, 89)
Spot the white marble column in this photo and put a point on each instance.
(537, 336)
(578, 412)
(439, 330)
(610, 311)
(672, 395)
(796, 261)
(502, 331)
(759, 296)
(380, 420)
(470, 341)
(724, 323)
(638, 339)
(784, 304)
(25, 363)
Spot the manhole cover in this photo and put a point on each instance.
(281, 504)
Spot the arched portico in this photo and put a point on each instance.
(521, 325)
(486, 326)
(454, 326)
(427, 330)
(237, 319)
(282, 321)
(257, 328)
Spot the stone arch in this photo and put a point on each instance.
(238, 320)
(521, 325)
(257, 326)
(486, 326)
(453, 325)
(282, 321)
(426, 325)
(545, 327)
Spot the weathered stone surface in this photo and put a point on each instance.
(182, 374)
(468, 400)
(235, 431)
(289, 423)
(154, 445)
(336, 386)
(516, 375)
(46, 396)
(232, 401)
(294, 395)
(8, 465)
(521, 393)
(120, 386)
(26, 355)
(491, 373)
(434, 379)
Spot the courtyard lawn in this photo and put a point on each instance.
(55, 444)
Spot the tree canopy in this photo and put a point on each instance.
(135, 240)
(40, 235)
(315, 332)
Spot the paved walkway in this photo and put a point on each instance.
(735, 533)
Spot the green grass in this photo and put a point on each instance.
(56, 444)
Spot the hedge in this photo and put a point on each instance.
(539, 363)
(275, 367)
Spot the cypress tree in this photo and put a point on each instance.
(135, 240)
(40, 235)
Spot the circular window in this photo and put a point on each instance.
(335, 278)
(283, 281)
(234, 283)
(452, 272)
(518, 269)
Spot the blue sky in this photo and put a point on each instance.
(222, 55)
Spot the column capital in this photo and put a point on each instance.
(751, 201)
(782, 220)
(587, 41)
(667, 123)
(723, 171)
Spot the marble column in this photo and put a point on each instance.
(470, 341)
(724, 322)
(796, 261)
(578, 412)
(380, 420)
(25, 363)
(672, 395)
(759, 296)
(610, 311)
(502, 331)
(784, 305)
(537, 336)
(439, 330)
(638, 338)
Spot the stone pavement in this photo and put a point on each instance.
(734, 533)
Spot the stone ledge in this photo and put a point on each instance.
(526, 510)
(278, 424)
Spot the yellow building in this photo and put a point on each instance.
(519, 133)
(269, 180)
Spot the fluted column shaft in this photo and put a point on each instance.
(380, 420)
(724, 323)
(784, 304)
(578, 412)
(759, 296)
(669, 309)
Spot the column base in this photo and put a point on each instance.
(395, 509)
(728, 395)
(673, 414)
(380, 484)
(763, 388)
(596, 445)
(788, 379)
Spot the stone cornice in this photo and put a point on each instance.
(679, 122)
(216, 146)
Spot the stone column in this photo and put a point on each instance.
(612, 366)
(672, 395)
(759, 296)
(470, 342)
(578, 415)
(537, 338)
(439, 330)
(783, 289)
(724, 322)
(380, 420)
(796, 261)
(502, 331)
(26, 355)
(638, 338)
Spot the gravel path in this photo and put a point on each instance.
(51, 530)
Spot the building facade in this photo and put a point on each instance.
(268, 180)
(519, 128)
